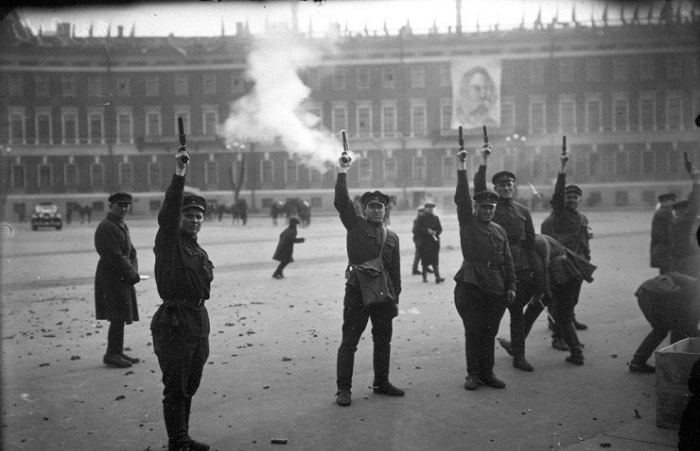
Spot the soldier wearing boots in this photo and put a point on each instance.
(428, 229)
(515, 218)
(180, 326)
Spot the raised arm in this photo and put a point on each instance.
(462, 196)
(169, 215)
(480, 177)
(557, 201)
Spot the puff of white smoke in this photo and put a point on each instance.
(275, 107)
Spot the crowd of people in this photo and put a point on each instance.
(506, 267)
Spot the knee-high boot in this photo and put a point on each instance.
(175, 415)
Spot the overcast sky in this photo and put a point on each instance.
(190, 18)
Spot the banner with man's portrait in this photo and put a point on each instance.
(476, 92)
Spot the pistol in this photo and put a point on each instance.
(688, 164)
(462, 153)
(563, 146)
(181, 133)
(345, 157)
(486, 142)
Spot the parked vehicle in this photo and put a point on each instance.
(46, 215)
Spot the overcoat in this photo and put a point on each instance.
(117, 272)
(285, 247)
(428, 244)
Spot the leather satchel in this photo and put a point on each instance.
(374, 287)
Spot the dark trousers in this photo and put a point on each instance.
(565, 297)
(181, 359)
(416, 256)
(280, 268)
(481, 315)
(115, 337)
(570, 292)
(355, 318)
(664, 315)
(523, 292)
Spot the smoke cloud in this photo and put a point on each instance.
(275, 106)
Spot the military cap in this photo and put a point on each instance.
(503, 176)
(293, 220)
(681, 204)
(120, 197)
(573, 189)
(429, 205)
(486, 197)
(376, 197)
(667, 196)
(194, 201)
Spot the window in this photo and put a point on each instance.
(291, 174)
(388, 78)
(18, 176)
(418, 76)
(537, 72)
(446, 76)
(674, 67)
(363, 78)
(94, 86)
(97, 175)
(126, 174)
(95, 126)
(153, 123)
(339, 118)
(45, 176)
(674, 112)
(266, 172)
(154, 171)
(594, 161)
(44, 134)
(593, 115)
(15, 86)
(389, 119)
(390, 172)
(566, 71)
(647, 162)
(537, 111)
(315, 177)
(123, 86)
(448, 167)
(647, 113)
(70, 172)
(446, 114)
(43, 86)
(339, 82)
(182, 86)
(593, 69)
(152, 86)
(211, 173)
(124, 127)
(621, 120)
(420, 170)
(508, 73)
(418, 118)
(210, 120)
(237, 83)
(646, 68)
(567, 114)
(209, 83)
(17, 130)
(365, 171)
(68, 86)
(69, 124)
(620, 69)
(621, 163)
(364, 120)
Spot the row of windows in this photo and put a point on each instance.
(622, 68)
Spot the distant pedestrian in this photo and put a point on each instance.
(428, 229)
(420, 211)
(275, 211)
(660, 233)
(117, 273)
(285, 247)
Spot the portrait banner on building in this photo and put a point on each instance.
(476, 92)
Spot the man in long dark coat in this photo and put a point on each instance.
(285, 247)
(660, 228)
(117, 273)
(428, 230)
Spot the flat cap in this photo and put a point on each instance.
(681, 204)
(190, 200)
(429, 205)
(502, 176)
(667, 196)
(120, 197)
(376, 197)
(486, 197)
(573, 189)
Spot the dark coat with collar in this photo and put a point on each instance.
(117, 272)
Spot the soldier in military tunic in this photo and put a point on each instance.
(660, 230)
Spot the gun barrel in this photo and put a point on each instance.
(461, 139)
(563, 146)
(486, 136)
(346, 147)
(181, 130)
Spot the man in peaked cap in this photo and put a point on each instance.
(485, 284)
(180, 326)
(428, 229)
(515, 218)
(117, 273)
(660, 228)
(367, 239)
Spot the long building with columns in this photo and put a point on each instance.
(85, 116)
